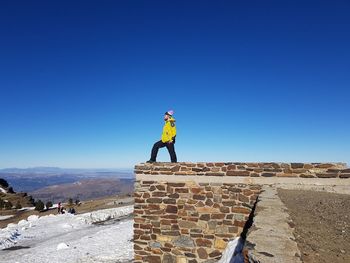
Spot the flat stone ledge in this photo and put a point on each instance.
(271, 239)
(278, 181)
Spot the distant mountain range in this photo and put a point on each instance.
(58, 170)
(32, 179)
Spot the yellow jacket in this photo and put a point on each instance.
(169, 130)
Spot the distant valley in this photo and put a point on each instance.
(56, 184)
(85, 190)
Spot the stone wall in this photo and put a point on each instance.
(187, 212)
(302, 170)
(188, 222)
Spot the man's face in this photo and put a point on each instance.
(166, 117)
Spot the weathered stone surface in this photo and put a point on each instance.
(237, 173)
(202, 253)
(297, 165)
(153, 259)
(343, 175)
(168, 258)
(184, 241)
(202, 242)
(171, 209)
(220, 243)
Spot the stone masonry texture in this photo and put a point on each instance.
(302, 170)
(189, 222)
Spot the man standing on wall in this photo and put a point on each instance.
(167, 140)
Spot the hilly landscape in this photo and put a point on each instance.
(85, 189)
(58, 185)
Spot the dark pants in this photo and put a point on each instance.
(169, 146)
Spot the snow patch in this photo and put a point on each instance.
(62, 246)
(33, 218)
(3, 190)
(5, 217)
(232, 252)
(54, 225)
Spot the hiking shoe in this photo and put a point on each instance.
(150, 161)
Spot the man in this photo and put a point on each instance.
(167, 140)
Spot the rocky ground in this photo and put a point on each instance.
(322, 224)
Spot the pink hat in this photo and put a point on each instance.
(170, 112)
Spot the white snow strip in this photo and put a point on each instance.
(3, 190)
(5, 217)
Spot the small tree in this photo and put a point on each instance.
(70, 201)
(18, 205)
(48, 205)
(39, 205)
(11, 191)
(8, 205)
(77, 201)
(2, 204)
(3, 182)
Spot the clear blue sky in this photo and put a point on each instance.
(85, 83)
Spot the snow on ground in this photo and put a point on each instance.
(69, 238)
(233, 252)
(3, 190)
(5, 217)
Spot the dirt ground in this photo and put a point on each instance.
(322, 224)
(85, 206)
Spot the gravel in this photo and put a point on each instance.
(322, 224)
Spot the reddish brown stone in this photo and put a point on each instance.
(217, 216)
(297, 165)
(154, 200)
(196, 190)
(237, 173)
(224, 209)
(198, 197)
(209, 195)
(231, 167)
(171, 209)
(229, 203)
(243, 198)
(240, 210)
(169, 201)
(201, 242)
(146, 195)
(158, 194)
(326, 175)
(307, 176)
(215, 253)
(153, 259)
(182, 190)
(202, 253)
